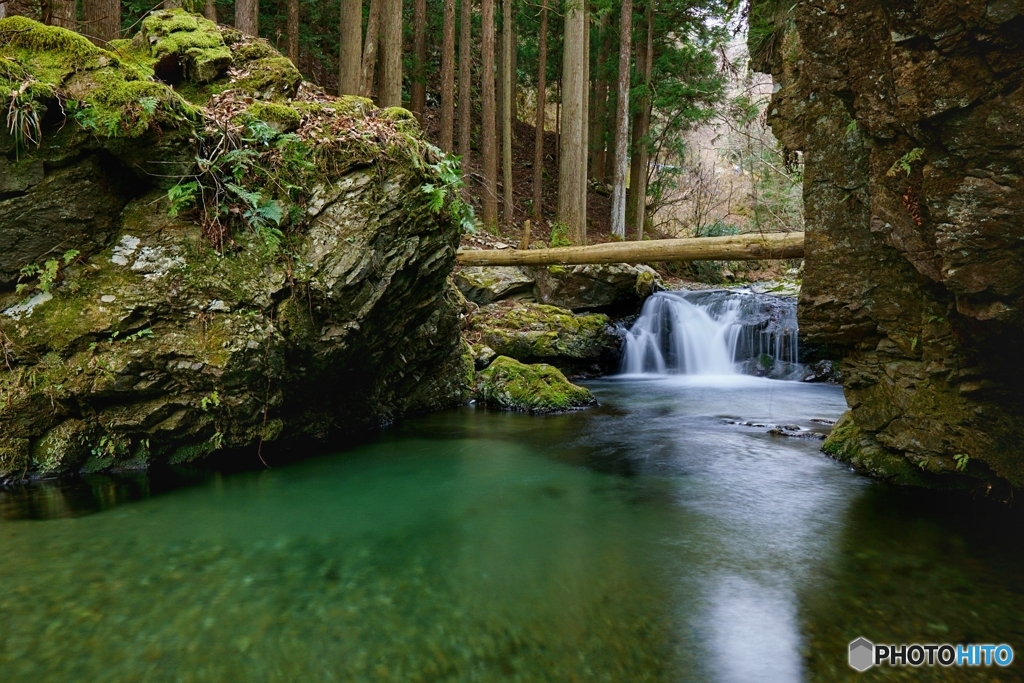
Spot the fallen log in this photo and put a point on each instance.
(753, 247)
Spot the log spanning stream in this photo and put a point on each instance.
(665, 536)
(752, 247)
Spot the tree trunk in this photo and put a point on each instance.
(571, 177)
(369, 65)
(751, 247)
(489, 151)
(293, 31)
(171, 4)
(515, 72)
(507, 95)
(210, 10)
(102, 20)
(418, 102)
(391, 45)
(641, 128)
(538, 141)
(584, 142)
(622, 122)
(247, 16)
(599, 106)
(465, 81)
(351, 38)
(448, 77)
(64, 13)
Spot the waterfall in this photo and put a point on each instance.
(714, 332)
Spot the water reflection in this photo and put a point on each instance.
(661, 537)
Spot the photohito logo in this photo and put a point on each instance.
(864, 654)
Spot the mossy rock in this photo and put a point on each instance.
(168, 348)
(271, 78)
(848, 444)
(583, 344)
(106, 95)
(508, 384)
(280, 117)
(63, 449)
(402, 117)
(193, 42)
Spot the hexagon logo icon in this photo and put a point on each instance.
(862, 654)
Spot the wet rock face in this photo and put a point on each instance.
(577, 344)
(911, 120)
(148, 344)
(612, 288)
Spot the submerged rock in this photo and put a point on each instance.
(577, 344)
(315, 304)
(510, 385)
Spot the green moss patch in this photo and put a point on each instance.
(510, 385)
(195, 41)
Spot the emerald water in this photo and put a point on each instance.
(659, 537)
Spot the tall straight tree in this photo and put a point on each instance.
(465, 80)
(448, 76)
(418, 102)
(538, 140)
(390, 91)
(210, 10)
(64, 13)
(622, 121)
(102, 20)
(571, 168)
(351, 39)
(599, 102)
(293, 31)
(507, 85)
(641, 126)
(247, 16)
(585, 144)
(490, 147)
(369, 65)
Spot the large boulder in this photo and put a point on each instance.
(909, 124)
(615, 288)
(486, 284)
(294, 289)
(577, 344)
(508, 384)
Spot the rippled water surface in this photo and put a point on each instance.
(665, 536)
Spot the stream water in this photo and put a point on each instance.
(665, 536)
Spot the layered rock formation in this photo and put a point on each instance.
(910, 117)
(290, 285)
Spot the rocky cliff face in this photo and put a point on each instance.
(235, 260)
(910, 117)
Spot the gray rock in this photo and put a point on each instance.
(486, 284)
(611, 287)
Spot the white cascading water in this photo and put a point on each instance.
(714, 332)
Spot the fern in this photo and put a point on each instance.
(904, 163)
(182, 196)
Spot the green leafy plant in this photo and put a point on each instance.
(24, 118)
(905, 162)
(46, 275)
(182, 196)
(211, 401)
(449, 191)
(560, 235)
(961, 461)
